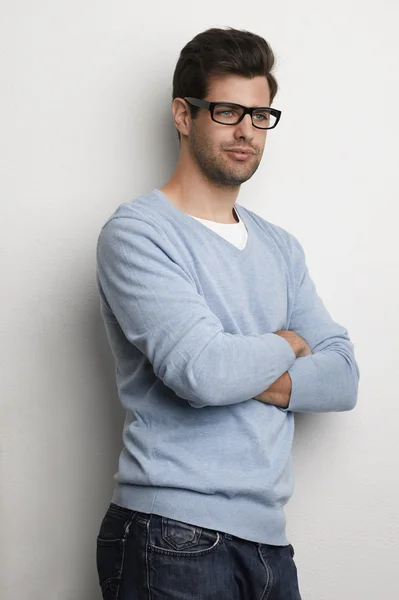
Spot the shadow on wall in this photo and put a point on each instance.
(159, 148)
(104, 444)
(152, 168)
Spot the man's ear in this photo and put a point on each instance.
(181, 116)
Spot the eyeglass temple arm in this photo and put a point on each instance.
(198, 102)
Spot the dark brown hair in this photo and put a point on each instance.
(221, 52)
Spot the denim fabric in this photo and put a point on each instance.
(148, 557)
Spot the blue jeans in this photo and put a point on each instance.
(148, 557)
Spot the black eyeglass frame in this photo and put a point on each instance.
(247, 111)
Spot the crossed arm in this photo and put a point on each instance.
(279, 393)
(147, 290)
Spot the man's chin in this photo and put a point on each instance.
(230, 182)
(238, 179)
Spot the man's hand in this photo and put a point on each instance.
(279, 393)
(297, 343)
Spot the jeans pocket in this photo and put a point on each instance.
(111, 548)
(181, 536)
(176, 538)
(109, 559)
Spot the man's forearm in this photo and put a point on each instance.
(278, 393)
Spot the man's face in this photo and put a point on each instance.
(209, 142)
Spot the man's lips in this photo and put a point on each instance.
(241, 154)
(241, 151)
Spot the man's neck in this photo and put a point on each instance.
(202, 201)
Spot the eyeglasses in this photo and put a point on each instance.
(228, 113)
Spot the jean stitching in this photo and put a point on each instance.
(120, 572)
(146, 559)
(182, 554)
(195, 532)
(269, 583)
(128, 524)
(126, 531)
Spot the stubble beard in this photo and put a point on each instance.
(215, 168)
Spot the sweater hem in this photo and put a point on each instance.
(236, 516)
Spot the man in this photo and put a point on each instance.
(219, 337)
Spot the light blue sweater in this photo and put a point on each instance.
(190, 321)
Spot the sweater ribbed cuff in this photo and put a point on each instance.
(305, 393)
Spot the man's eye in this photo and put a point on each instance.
(262, 116)
(225, 113)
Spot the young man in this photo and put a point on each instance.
(219, 337)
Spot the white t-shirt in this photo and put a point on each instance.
(235, 233)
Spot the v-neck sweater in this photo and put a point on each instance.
(190, 319)
(235, 233)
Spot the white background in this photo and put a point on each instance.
(76, 78)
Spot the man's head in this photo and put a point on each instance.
(224, 65)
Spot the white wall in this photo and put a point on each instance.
(76, 77)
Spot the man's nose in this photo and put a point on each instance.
(245, 128)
